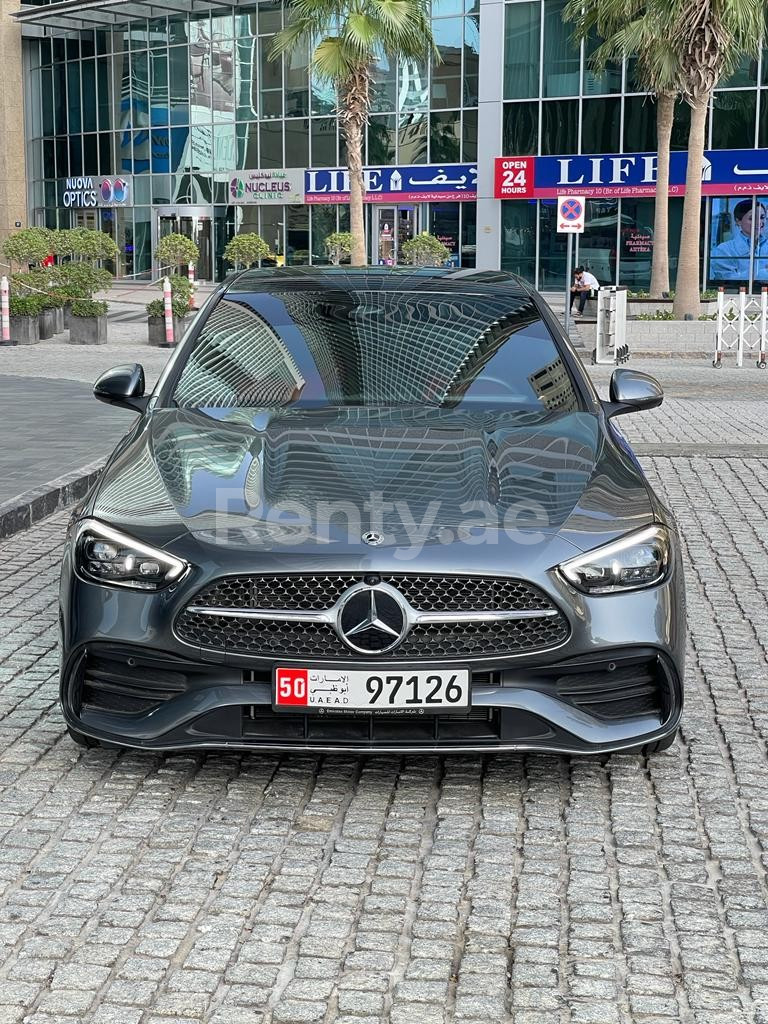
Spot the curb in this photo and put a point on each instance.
(26, 509)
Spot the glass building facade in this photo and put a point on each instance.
(553, 104)
(176, 104)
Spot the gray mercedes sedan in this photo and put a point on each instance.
(373, 510)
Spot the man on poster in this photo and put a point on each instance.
(730, 259)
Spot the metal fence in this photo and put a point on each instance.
(742, 326)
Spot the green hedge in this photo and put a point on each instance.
(88, 307)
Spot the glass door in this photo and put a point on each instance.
(195, 224)
(391, 226)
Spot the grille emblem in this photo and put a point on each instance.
(372, 620)
(372, 538)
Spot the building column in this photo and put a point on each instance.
(489, 124)
(13, 178)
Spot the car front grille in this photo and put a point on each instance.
(424, 592)
(234, 597)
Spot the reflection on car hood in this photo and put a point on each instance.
(334, 472)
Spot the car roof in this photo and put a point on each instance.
(399, 279)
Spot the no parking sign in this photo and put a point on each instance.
(570, 215)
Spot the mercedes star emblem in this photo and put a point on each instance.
(372, 620)
(372, 538)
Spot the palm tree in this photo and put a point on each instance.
(633, 28)
(345, 39)
(711, 38)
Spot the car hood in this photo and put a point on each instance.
(253, 478)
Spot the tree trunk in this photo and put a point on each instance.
(354, 117)
(687, 287)
(665, 112)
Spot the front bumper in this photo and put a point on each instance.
(614, 685)
(624, 699)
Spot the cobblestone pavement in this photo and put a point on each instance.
(251, 889)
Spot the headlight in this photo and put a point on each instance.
(638, 560)
(106, 556)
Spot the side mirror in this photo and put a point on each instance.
(122, 385)
(632, 391)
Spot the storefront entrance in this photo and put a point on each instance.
(391, 226)
(195, 223)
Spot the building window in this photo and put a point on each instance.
(600, 125)
(639, 124)
(636, 243)
(445, 136)
(382, 139)
(522, 32)
(521, 129)
(446, 87)
(559, 127)
(597, 244)
(469, 136)
(561, 59)
(518, 237)
(733, 119)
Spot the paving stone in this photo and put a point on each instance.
(231, 887)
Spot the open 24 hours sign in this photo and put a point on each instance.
(724, 172)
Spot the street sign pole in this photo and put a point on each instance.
(570, 221)
(568, 276)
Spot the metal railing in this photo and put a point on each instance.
(742, 326)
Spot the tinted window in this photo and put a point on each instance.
(375, 348)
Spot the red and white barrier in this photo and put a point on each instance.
(5, 307)
(168, 312)
(192, 285)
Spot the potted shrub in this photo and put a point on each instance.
(88, 322)
(79, 280)
(57, 300)
(47, 317)
(425, 250)
(156, 320)
(181, 292)
(175, 250)
(338, 246)
(29, 245)
(24, 319)
(246, 250)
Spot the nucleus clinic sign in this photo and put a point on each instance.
(267, 187)
(724, 172)
(95, 193)
(424, 183)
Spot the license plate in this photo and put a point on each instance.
(387, 690)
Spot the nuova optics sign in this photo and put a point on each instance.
(267, 187)
(94, 193)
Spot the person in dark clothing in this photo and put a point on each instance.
(579, 290)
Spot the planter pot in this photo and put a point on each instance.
(25, 330)
(156, 330)
(635, 306)
(47, 324)
(58, 316)
(88, 330)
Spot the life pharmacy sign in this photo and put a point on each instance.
(419, 183)
(95, 193)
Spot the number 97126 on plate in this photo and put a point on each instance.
(375, 689)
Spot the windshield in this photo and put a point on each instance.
(379, 348)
